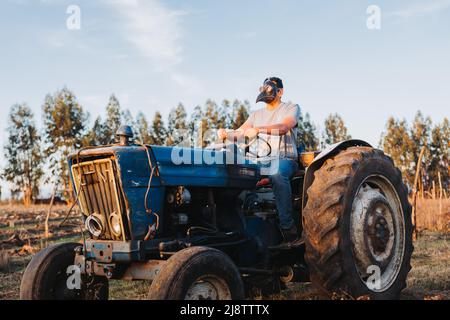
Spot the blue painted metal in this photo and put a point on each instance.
(115, 251)
(204, 168)
(261, 234)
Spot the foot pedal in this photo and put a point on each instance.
(288, 245)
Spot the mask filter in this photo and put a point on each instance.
(268, 92)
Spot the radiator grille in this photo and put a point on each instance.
(99, 195)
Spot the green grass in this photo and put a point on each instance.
(431, 266)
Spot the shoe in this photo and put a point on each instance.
(290, 235)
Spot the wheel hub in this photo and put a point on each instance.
(379, 231)
(376, 231)
(208, 288)
(202, 291)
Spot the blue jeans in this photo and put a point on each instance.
(281, 182)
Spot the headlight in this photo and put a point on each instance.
(94, 225)
(115, 223)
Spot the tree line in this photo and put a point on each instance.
(404, 141)
(39, 155)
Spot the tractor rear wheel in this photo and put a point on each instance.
(357, 226)
(46, 277)
(198, 273)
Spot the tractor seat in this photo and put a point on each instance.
(264, 182)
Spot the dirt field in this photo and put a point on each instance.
(22, 230)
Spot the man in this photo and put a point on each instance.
(276, 124)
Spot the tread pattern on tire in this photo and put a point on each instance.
(322, 217)
(35, 272)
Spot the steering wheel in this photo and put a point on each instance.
(245, 147)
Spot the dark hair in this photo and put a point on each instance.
(277, 81)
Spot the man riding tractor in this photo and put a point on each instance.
(201, 227)
(277, 124)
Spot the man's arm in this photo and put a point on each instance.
(279, 129)
(249, 130)
(233, 135)
(239, 133)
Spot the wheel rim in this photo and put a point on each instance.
(377, 232)
(209, 287)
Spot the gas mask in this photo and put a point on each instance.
(268, 92)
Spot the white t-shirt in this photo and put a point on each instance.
(282, 146)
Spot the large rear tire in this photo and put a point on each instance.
(357, 226)
(45, 277)
(198, 273)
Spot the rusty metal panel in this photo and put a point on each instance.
(114, 251)
(95, 182)
(143, 270)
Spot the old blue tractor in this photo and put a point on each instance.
(205, 229)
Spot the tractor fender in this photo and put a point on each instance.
(323, 156)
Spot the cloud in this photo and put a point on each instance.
(422, 8)
(54, 41)
(247, 35)
(93, 102)
(188, 84)
(153, 28)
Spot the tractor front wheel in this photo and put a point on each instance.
(198, 273)
(47, 277)
(357, 226)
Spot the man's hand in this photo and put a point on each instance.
(222, 134)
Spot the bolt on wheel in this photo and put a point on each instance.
(377, 231)
(208, 288)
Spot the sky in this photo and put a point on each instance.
(154, 54)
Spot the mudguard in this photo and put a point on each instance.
(323, 156)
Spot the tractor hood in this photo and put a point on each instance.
(175, 166)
